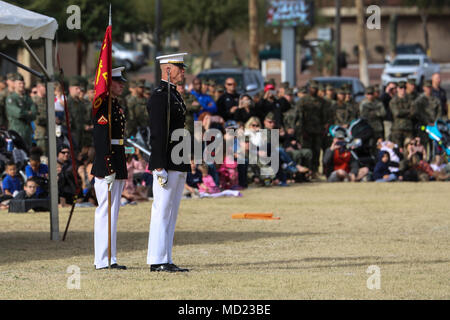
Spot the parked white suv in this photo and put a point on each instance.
(406, 66)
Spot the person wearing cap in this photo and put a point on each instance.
(342, 111)
(40, 132)
(167, 113)
(109, 169)
(137, 109)
(427, 109)
(21, 111)
(403, 113)
(228, 102)
(374, 112)
(411, 90)
(211, 87)
(77, 113)
(309, 119)
(353, 105)
(329, 93)
(271, 103)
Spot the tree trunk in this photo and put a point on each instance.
(79, 55)
(253, 34)
(337, 38)
(362, 43)
(424, 17)
(393, 22)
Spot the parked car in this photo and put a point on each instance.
(130, 59)
(248, 80)
(337, 82)
(412, 48)
(405, 66)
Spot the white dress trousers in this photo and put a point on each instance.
(101, 220)
(166, 201)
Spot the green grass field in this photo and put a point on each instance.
(321, 248)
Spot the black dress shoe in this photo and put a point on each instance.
(166, 267)
(114, 266)
(178, 269)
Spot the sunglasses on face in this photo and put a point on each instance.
(230, 84)
(255, 125)
(65, 152)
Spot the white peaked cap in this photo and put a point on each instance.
(116, 74)
(176, 58)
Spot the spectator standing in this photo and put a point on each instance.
(427, 111)
(439, 93)
(402, 109)
(374, 112)
(246, 109)
(137, 109)
(192, 107)
(228, 103)
(77, 113)
(388, 94)
(59, 102)
(411, 90)
(199, 91)
(21, 111)
(40, 133)
(309, 119)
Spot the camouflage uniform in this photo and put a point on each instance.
(190, 110)
(426, 110)
(403, 113)
(40, 132)
(374, 113)
(343, 113)
(21, 111)
(309, 119)
(77, 113)
(137, 113)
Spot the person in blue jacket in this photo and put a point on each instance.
(206, 101)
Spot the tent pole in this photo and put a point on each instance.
(54, 214)
(36, 58)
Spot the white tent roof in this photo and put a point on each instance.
(17, 23)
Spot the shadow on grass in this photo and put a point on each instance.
(327, 262)
(30, 246)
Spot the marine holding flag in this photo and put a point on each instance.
(109, 167)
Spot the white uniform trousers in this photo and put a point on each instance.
(101, 220)
(166, 201)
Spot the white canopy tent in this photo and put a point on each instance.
(19, 24)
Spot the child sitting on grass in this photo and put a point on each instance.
(209, 189)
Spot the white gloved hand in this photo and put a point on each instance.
(110, 180)
(162, 177)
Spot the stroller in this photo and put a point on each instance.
(13, 149)
(440, 135)
(359, 138)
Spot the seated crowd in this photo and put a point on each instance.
(302, 118)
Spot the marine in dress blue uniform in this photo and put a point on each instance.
(167, 113)
(110, 171)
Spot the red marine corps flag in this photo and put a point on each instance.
(102, 81)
